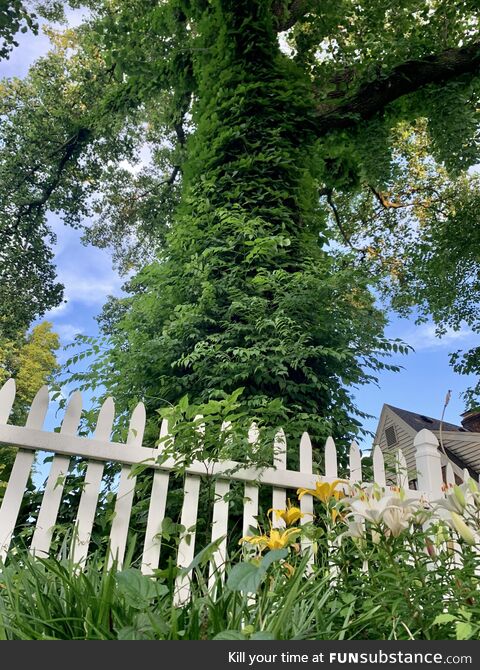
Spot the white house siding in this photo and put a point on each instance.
(404, 442)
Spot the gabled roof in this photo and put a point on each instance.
(420, 421)
(462, 446)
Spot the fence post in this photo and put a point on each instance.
(428, 460)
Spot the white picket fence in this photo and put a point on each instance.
(99, 450)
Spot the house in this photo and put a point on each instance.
(397, 429)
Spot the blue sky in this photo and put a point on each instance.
(89, 278)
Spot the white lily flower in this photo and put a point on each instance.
(458, 498)
(369, 507)
(375, 506)
(397, 519)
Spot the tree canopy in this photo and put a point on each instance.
(266, 167)
(30, 359)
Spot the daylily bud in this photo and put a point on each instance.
(465, 532)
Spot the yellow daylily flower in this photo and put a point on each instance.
(290, 515)
(323, 491)
(275, 539)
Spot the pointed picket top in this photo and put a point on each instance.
(17, 483)
(280, 450)
(136, 427)
(466, 475)
(449, 476)
(355, 463)
(378, 466)
(306, 458)
(199, 425)
(279, 495)
(38, 409)
(226, 426)
(72, 414)
(105, 420)
(164, 428)
(253, 433)
(306, 503)
(226, 435)
(401, 470)
(7, 397)
(331, 467)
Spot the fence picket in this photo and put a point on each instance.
(17, 483)
(378, 467)
(279, 495)
(186, 547)
(156, 512)
(126, 490)
(7, 398)
(52, 497)
(331, 467)
(91, 488)
(401, 470)
(306, 503)
(355, 463)
(250, 508)
(219, 530)
(220, 521)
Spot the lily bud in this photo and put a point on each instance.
(462, 529)
(458, 493)
(472, 484)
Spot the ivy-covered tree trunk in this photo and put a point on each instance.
(245, 294)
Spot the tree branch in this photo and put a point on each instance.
(385, 201)
(406, 78)
(71, 149)
(287, 16)
(328, 193)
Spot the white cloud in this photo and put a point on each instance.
(423, 337)
(56, 311)
(144, 159)
(67, 332)
(90, 289)
(85, 271)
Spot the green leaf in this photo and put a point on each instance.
(463, 630)
(263, 635)
(230, 635)
(271, 557)
(138, 590)
(204, 555)
(444, 618)
(245, 577)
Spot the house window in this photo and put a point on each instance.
(390, 436)
(458, 480)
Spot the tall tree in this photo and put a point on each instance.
(30, 359)
(254, 117)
